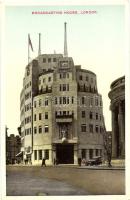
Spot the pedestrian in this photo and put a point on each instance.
(43, 162)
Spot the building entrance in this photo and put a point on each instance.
(65, 153)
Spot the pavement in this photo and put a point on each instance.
(63, 180)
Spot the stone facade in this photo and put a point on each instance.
(61, 112)
(117, 96)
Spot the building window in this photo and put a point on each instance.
(96, 116)
(91, 128)
(83, 128)
(67, 75)
(91, 101)
(83, 153)
(44, 80)
(60, 87)
(40, 116)
(35, 130)
(40, 129)
(83, 100)
(47, 154)
(83, 114)
(100, 103)
(54, 59)
(86, 78)
(44, 60)
(64, 87)
(72, 100)
(35, 154)
(49, 60)
(46, 129)
(67, 87)
(80, 77)
(96, 128)
(55, 100)
(96, 152)
(96, 101)
(91, 80)
(40, 154)
(60, 76)
(46, 102)
(64, 100)
(60, 100)
(49, 79)
(91, 115)
(35, 117)
(39, 102)
(64, 75)
(67, 100)
(46, 115)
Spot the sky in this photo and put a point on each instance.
(95, 41)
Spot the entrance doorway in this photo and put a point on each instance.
(65, 153)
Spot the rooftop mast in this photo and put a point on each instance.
(65, 41)
(39, 50)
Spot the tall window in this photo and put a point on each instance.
(60, 100)
(80, 77)
(55, 100)
(47, 154)
(46, 129)
(67, 100)
(83, 152)
(96, 101)
(83, 114)
(40, 116)
(96, 116)
(72, 100)
(35, 130)
(96, 128)
(91, 115)
(67, 87)
(49, 79)
(64, 100)
(64, 87)
(91, 128)
(83, 128)
(46, 102)
(49, 60)
(40, 154)
(35, 104)
(44, 60)
(46, 115)
(40, 129)
(39, 102)
(83, 100)
(35, 154)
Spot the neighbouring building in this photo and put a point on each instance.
(61, 111)
(117, 96)
(13, 147)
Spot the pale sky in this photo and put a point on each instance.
(96, 42)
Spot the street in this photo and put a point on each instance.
(63, 180)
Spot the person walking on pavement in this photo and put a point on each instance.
(43, 162)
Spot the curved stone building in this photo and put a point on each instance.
(61, 111)
(117, 96)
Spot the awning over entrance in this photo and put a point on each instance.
(19, 154)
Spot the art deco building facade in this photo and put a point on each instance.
(117, 96)
(61, 111)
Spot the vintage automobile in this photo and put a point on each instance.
(97, 160)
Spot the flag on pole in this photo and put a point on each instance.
(29, 42)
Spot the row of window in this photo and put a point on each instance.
(67, 100)
(44, 80)
(91, 115)
(28, 131)
(92, 128)
(27, 85)
(81, 78)
(28, 95)
(92, 153)
(27, 120)
(40, 129)
(63, 75)
(48, 60)
(84, 88)
(27, 107)
(40, 116)
(64, 87)
(38, 154)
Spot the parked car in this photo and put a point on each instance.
(97, 160)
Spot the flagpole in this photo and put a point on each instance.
(28, 49)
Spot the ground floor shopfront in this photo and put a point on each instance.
(63, 153)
